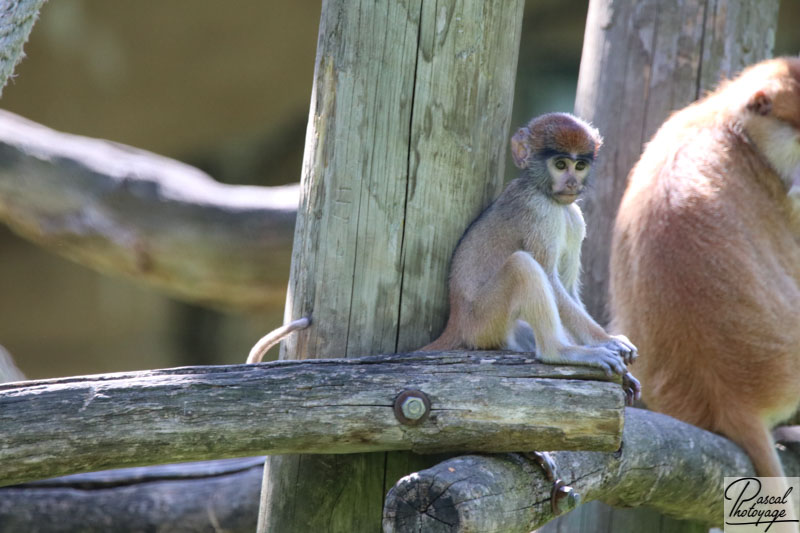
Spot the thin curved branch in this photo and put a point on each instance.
(671, 466)
(128, 212)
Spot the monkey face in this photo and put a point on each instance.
(772, 119)
(568, 173)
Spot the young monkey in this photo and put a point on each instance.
(514, 275)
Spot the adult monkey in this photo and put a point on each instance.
(705, 260)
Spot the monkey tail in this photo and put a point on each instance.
(275, 336)
(754, 436)
(751, 433)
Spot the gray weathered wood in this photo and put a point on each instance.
(641, 60)
(216, 495)
(16, 22)
(665, 464)
(407, 133)
(481, 401)
(192, 497)
(129, 212)
(8, 370)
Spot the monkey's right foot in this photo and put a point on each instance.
(624, 347)
(632, 388)
(601, 356)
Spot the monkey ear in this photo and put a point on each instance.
(760, 103)
(520, 150)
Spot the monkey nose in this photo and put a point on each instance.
(571, 184)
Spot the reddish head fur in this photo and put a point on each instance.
(554, 131)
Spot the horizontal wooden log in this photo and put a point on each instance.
(124, 211)
(191, 497)
(224, 494)
(663, 463)
(479, 401)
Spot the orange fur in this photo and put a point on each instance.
(705, 262)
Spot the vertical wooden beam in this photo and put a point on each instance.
(643, 59)
(16, 22)
(407, 129)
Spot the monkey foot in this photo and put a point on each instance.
(562, 497)
(632, 388)
(624, 347)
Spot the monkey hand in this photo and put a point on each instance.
(632, 388)
(624, 347)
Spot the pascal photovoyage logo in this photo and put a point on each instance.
(761, 504)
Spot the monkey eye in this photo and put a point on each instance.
(561, 164)
(580, 165)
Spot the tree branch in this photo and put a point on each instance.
(485, 401)
(669, 465)
(210, 496)
(135, 499)
(128, 212)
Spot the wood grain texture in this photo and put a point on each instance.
(223, 495)
(132, 213)
(210, 496)
(664, 464)
(642, 60)
(408, 120)
(482, 401)
(16, 22)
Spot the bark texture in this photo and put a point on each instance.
(664, 464)
(482, 401)
(406, 138)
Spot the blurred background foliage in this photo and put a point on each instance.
(224, 87)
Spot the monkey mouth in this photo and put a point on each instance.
(565, 197)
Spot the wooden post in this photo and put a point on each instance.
(641, 60)
(16, 22)
(406, 139)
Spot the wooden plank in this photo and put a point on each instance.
(482, 401)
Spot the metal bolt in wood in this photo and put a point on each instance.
(412, 407)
